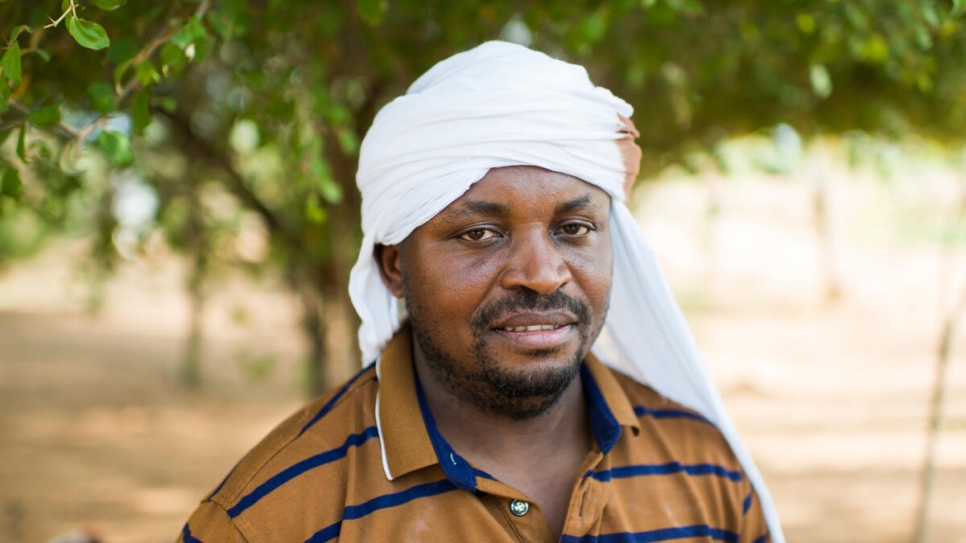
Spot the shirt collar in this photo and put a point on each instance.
(410, 440)
(405, 442)
(607, 404)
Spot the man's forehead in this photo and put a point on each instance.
(503, 189)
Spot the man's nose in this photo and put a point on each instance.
(535, 263)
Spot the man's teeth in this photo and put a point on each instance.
(534, 328)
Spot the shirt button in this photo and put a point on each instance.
(519, 507)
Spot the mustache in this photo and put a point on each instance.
(528, 300)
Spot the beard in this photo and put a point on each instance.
(516, 395)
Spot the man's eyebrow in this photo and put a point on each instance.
(577, 204)
(475, 208)
(471, 208)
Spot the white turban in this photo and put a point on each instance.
(498, 105)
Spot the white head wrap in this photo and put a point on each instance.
(500, 105)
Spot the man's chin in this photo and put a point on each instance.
(522, 395)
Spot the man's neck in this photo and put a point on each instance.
(467, 428)
(539, 456)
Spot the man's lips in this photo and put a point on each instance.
(537, 331)
(534, 322)
(532, 328)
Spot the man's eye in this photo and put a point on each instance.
(478, 234)
(575, 229)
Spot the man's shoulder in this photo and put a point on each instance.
(321, 432)
(670, 420)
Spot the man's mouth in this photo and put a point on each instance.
(534, 328)
(537, 337)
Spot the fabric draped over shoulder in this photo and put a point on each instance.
(500, 105)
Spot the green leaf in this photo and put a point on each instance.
(88, 34)
(120, 70)
(42, 53)
(116, 148)
(147, 74)
(10, 63)
(172, 58)
(11, 183)
(330, 190)
(313, 209)
(4, 99)
(806, 23)
(168, 103)
(140, 112)
(22, 144)
(923, 38)
(188, 35)
(109, 5)
(372, 11)
(959, 6)
(593, 27)
(122, 49)
(45, 116)
(821, 81)
(203, 48)
(348, 141)
(101, 96)
(18, 30)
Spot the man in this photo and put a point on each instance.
(492, 205)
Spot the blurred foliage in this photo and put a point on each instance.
(232, 128)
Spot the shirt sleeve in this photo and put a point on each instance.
(210, 524)
(753, 526)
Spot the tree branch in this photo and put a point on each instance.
(202, 8)
(235, 183)
(160, 38)
(73, 133)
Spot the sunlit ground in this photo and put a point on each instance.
(830, 395)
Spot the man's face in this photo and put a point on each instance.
(507, 288)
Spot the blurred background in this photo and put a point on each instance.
(178, 217)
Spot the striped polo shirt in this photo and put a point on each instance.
(366, 463)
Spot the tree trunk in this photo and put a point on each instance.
(314, 327)
(825, 228)
(329, 323)
(943, 354)
(100, 264)
(712, 216)
(928, 478)
(335, 348)
(191, 368)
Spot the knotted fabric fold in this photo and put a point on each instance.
(499, 105)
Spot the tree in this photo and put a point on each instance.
(232, 111)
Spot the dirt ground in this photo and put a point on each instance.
(831, 397)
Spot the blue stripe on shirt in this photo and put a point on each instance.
(664, 534)
(187, 537)
(603, 424)
(353, 512)
(641, 411)
(762, 539)
(665, 469)
(294, 471)
(746, 505)
(457, 469)
(335, 399)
